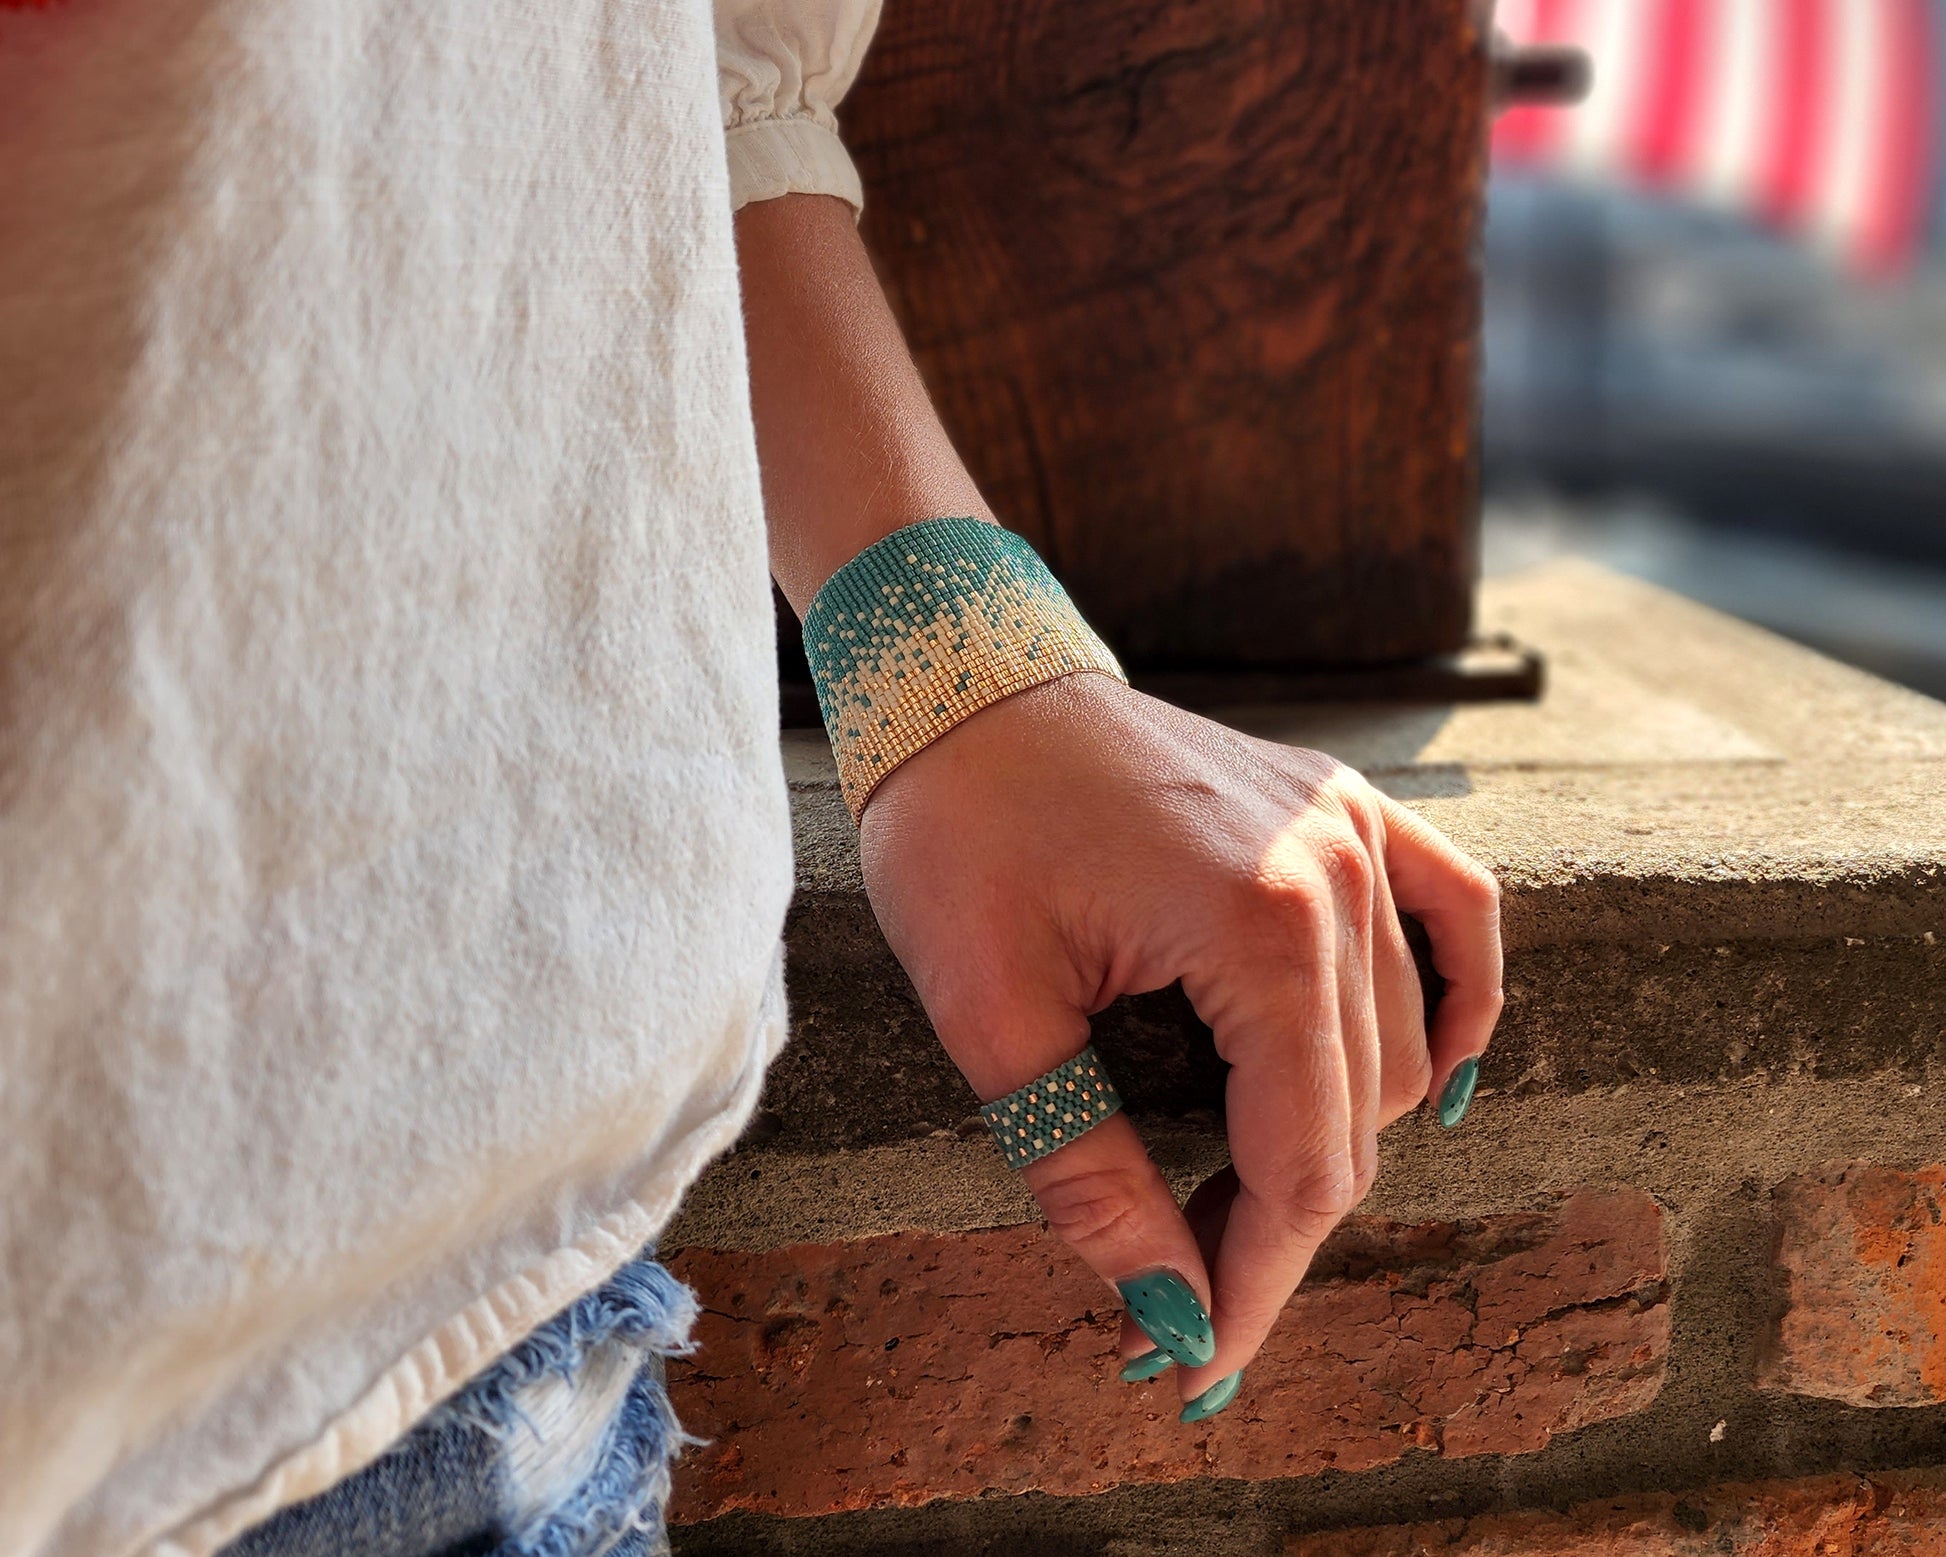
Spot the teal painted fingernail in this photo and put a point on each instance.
(1171, 1315)
(1459, 1091)
(1213, 1399)
(1147, 1366)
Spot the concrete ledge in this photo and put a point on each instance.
(900, 1370)
(1722, 855)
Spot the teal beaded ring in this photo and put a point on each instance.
(1047, 1113)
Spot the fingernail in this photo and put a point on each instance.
(1147, 1366)
(1459, 1091)
(1171, 1315)
(1213, 1399)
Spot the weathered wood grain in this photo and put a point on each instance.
(1193, 283)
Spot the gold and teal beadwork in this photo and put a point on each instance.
(1047, 1113)
(928, 626)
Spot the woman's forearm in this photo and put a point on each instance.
(850, 447)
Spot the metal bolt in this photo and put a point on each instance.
(1537, 73)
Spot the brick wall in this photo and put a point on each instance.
(900, 1369)
(912, 1369)
(1862, 1255)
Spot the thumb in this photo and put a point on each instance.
(1100, 1192)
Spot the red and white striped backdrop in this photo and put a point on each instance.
(1815, 115)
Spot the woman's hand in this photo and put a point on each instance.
(1081, 841)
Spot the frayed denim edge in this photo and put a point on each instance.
(641, 1306)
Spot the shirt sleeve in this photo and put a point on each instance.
(782, 67)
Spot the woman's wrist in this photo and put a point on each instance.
(904, 640)
(925, 628)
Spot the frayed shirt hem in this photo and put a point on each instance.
(480, 1334)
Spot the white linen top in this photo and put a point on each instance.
(393, 837)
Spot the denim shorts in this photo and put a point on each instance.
(562, 1448)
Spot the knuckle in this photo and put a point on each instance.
(1307, 1221)
(1311, 883)
(1090, 1208)
(1364, 810)
(1483, 887)
(1364, 1171)
(1318, 1200)
(1347, 866)
(1363, 1166)
(1288, 895)
(1408, 1081)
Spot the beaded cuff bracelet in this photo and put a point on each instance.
(928, 626)
(1050, 1111)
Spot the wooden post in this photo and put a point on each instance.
(1194, 284)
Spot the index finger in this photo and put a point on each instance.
(1101, 1192)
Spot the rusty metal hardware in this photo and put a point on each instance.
(1489, 669)
(1537, 73)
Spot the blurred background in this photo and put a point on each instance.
(1716, 315)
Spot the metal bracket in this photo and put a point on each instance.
(1489, 669)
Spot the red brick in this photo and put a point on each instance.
(1824, 1516)
(899, 1369)
(1862, 1251)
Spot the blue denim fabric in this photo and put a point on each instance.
(561, 1449)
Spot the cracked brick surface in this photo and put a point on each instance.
(899, 1369)
(1891, 1515)
(1862, 1252)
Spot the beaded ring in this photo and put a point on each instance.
(925, 628)
(1052, 1110)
